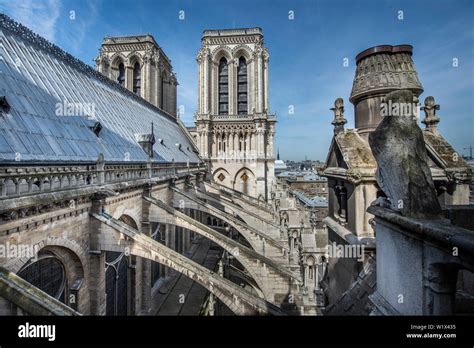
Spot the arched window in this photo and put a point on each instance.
(136, 78)
(116, 283)
(242, 87)
(310, 272)
(223, 87)
(121, 74)
(48, 274)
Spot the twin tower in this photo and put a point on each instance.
(234, 131)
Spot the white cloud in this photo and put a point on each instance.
(38, 15)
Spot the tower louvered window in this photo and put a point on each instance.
(223, 87)
(242, 87)
(121, 75)
(136, 78)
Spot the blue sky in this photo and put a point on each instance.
(306, 53)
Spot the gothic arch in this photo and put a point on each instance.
(242, 51)
(310, 260)
(50, 242)
(129, 221)
(244, 181)
(220, 52)
(131, 216)
(221, 173)
(133, 58)
(116, 59)
(68, 260)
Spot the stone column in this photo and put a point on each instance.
(211, 304)
(147, 80)
(230, 144)
(156, 99)
(236, 144)
(254, 141)
(227, 144)
(247, 144)
(129, 77)
(201, 143)
(174, 105)
(214, 95)
(145, 228)
(259, 83)
(260, 142)
(251, 85)
(232, 76)
(214, 145)
(96, 260)
(204, 84)
(201, 86)
(265, 82)
(271, 135)
(169, 242)
(160, 99)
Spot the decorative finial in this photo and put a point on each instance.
(339, 120)
(278, 154)
(431, 120)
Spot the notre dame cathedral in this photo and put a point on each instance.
(234, 130)
(140, 65)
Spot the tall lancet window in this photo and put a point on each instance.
(223, 87)
(137, 78)
(242, 87)
(121, 74)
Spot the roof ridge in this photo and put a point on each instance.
(30, 36)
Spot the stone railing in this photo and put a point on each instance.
(420, 264)
(26, 179)
(243, 117)
(235, 32)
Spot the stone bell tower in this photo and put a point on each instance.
(234, 130)
(140, 65)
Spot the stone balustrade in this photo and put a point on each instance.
(22, 180)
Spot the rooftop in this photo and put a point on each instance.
(56, 101)
(232, 32)
(313, 202)
(130, 39)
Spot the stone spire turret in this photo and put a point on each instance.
(381, 70)
(339, 120)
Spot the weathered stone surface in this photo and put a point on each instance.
(403, 173)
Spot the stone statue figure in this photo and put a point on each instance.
(403, 173)
(339, 120)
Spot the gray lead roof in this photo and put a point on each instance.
(38, 79)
